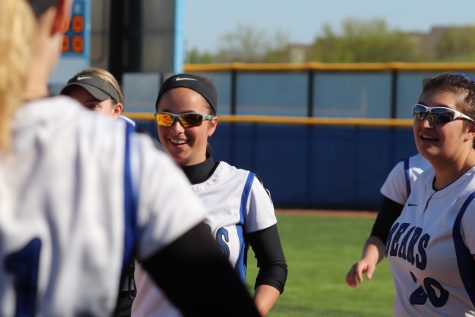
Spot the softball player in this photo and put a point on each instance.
(80, 194)
(395, 191)
(240, 211)
(97, 90)
(431, 246)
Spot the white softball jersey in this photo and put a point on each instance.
(430, 249)
(78, 196)
(400, 180)
(237, 203)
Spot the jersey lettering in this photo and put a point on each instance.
(432, 290)
(222, 237)
(397, 236)
(24, 265)
(397, 244)
(403, 248)
(410, 250)
(421, 258)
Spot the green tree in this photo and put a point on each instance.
(456, 44)
(366, 41)
(245, 44)
(249, 44)
(195, 56)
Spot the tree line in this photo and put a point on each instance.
(359, 41)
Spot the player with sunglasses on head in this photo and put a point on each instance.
(431, 246)
(81, 194)
(240, 211)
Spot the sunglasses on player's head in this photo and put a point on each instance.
(187, 120)
(437, 115)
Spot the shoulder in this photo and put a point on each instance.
(419, 162)
(62, 116)
(423, 184)
(45, 108)
(233, 175)
(397, 172)
(227, 171)
(128, 121)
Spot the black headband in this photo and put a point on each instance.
(201, 85)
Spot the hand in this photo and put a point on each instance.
(355, 274)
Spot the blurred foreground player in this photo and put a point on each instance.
(78, 199)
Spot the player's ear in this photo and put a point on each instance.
(62, 16)
(471, 131)
(213, 124)
(118, 109)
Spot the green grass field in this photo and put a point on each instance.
(319, 251)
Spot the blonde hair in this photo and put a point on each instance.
(16, 36)
(106, 76)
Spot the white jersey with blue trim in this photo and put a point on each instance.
(400, 180)
(430, 249)
(128, 121)
(78, 195)
(237, 204)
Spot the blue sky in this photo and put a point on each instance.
(205, 21)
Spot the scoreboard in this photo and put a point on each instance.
(76, 37)
(76, 45)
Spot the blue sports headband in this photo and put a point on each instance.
(466, 76)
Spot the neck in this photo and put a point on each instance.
(46, 51)
(448, 172)
(200, 172)
(37, 86)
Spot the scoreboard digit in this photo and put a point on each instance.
(76, 36)
(76, 54)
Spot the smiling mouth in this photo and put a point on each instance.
(178, 141)
(429, 138)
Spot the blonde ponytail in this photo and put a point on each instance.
(16, 36)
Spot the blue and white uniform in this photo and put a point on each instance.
(71, 169)
(237, 204)
(402, 177)
(430, 249)
(395, 190)
(128, 121)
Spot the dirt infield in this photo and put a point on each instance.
(330, 213)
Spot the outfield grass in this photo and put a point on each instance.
(319, 251)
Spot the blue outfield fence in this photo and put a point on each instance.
(310, 165)
(345, 125)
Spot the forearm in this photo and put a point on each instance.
(373, 253)
(374, 250)
(265, 297)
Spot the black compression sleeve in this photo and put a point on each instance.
(270, 257)
(389, 212)
(197, 277)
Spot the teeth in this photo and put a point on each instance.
(178, 141)
(428, 137)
